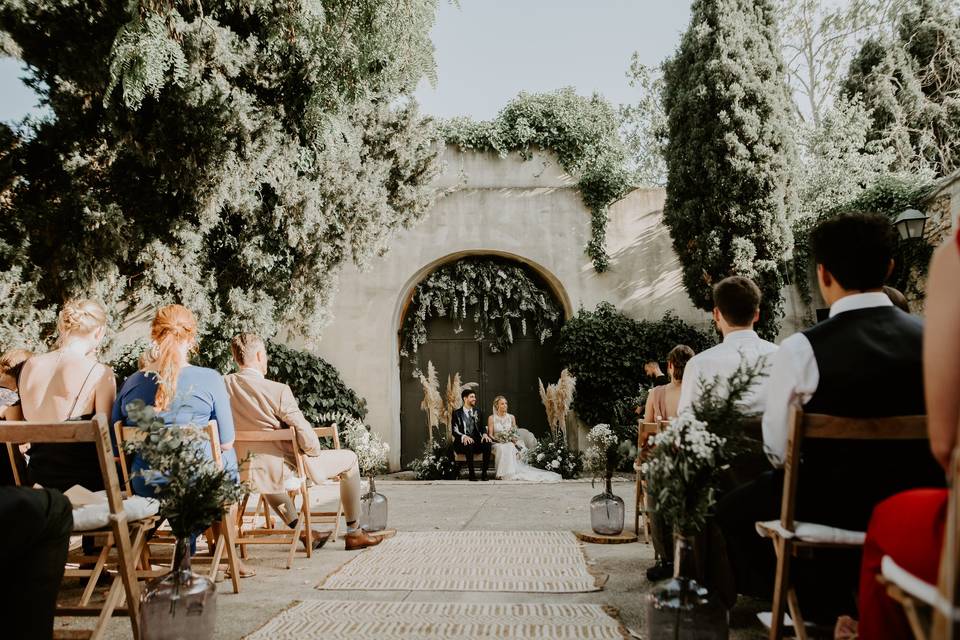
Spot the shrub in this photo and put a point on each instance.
(606, 351)
(553, 454)
(437, 462)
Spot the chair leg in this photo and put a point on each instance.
(799, 626)
(95, 575)
(783, 549)
(240, 512)
(229, 540)
(217, 557)
(638, 494)
(109, 604)
(293, 543)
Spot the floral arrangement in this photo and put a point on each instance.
(557, 399)
(503, 298)
(553, 454)
(506, 436)
(606, 452)
(371, 450)
(191, 488)
(682, 470)
(436, 463)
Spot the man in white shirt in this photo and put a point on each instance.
(864, 361)
(736, 308)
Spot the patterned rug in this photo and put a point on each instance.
(336, 620)
(516, 561)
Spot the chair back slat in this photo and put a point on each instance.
(75, 431)
(812, 426)
(266, 435)
(816, 426)
(333, 432)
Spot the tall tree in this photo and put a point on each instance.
(644, 125)
(819, 37)
(910, 81)
(230, 155)
(730, 152)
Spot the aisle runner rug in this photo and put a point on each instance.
(518, 561)
(343, 620)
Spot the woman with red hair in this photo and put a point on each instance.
(181, 393)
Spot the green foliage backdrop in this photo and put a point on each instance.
(730, 152)
(583, 132)
(606, 352)
(227, 155)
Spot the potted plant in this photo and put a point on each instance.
(371, 453)
(603, 457)
(193, 492)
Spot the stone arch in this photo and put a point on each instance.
(451, 353)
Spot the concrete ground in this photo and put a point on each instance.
(457, 505)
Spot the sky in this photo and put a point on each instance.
(487, 51)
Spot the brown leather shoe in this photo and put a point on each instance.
(359, 539)
(319, 538)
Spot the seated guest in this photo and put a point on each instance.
(11, 363)
(909, 526)
(662, 405)
(35, 548)
(736, 308)
(68, 384)
(663, 400)
(181, 393)
(838, 367)
(651, 369)
(258, 404)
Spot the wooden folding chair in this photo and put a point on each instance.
(641, 508)
(226, 537)
(268, 534)
(786, 534)
(332, 432)
(933, 611)
(125, 539)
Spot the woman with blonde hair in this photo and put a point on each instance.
(509, 447)
(68, 383)
(181, 393)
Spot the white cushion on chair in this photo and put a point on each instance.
(292, 483)
(97, 515)
(911, 584)
(812, 532)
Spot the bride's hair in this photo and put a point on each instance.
(496, 401)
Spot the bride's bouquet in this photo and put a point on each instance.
(507, 436)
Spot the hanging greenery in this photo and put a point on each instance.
(502, 298)
(583, 132)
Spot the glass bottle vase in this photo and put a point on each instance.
(682, 608)
(181, 605)
(607, 512)
(373, 509)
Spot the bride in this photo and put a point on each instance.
(503, 426)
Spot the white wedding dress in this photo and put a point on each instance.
(509, 465)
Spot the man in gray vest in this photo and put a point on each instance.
(470, 433)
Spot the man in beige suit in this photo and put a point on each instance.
(259, 404)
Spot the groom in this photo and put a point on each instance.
(470, 433)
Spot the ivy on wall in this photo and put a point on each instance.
(501, 297)
(583, 132)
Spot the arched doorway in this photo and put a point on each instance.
(513, 373)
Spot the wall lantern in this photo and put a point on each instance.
(910, 224)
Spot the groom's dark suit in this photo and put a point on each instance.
(471, 423)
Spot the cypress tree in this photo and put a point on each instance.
(730, 153)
